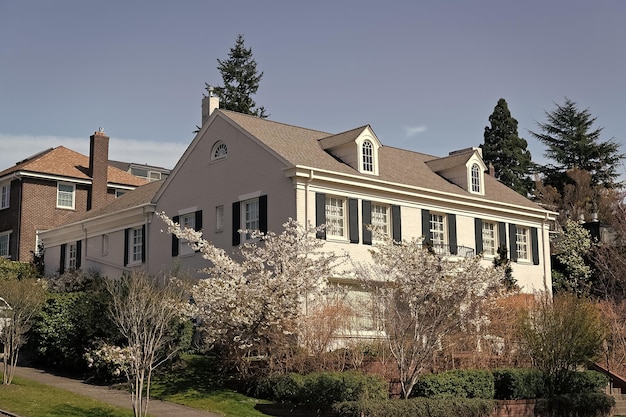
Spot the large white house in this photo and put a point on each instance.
(244, 172)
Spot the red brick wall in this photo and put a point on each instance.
(9, 218)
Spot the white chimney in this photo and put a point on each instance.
(209, 104)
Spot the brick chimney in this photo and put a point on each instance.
(98, 169)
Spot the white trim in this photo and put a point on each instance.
(7, 233)
(249, 196)
(73, 193)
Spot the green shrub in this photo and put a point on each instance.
(591, 404)
(323, 388)
(458, 383)
(518, 383)
(417, 407)
(587, 381)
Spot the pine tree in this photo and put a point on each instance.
(572, 142)
(507, 151)
(241, 80)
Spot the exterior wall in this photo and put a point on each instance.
(530, 277)
(198, 183)
(40, 212)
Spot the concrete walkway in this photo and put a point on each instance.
(107, 395)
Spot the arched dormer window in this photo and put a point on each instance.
(475, 178)
(367, 152)
(220, 151)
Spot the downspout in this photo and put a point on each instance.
(19, 216)
(148, 219)
(306, 198)
(84, 250)
(545, 263)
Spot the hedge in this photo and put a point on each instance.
(518, 383)
(416, 407)
(322, 388)
(457, 383)
(591, 404)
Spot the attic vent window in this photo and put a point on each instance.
(220, 151)
(475, 178)
(368, 156)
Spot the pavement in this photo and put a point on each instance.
(108, 395)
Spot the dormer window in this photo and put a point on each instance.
(220, 151)
(475, 178)
(367, 150)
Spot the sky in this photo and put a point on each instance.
(425, 75)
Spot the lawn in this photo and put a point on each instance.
(199, 384)
(29, 398)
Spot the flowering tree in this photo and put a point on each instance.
(425, 298)
(147, 314)
(571, 249)
(20, 301)
(251, 306)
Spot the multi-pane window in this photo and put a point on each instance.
(368, 156)
(4, 244)
(380, 218)
(187, 221)
(490, 241)
(136, 247)
(220, 151)
(219, 218)
(335, 217)
(438, 232)
(521, 240)
(5, 196)
(71, 258)
(65, 195)
(251, 216)
(475, 178)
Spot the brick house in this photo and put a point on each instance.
(55, 187)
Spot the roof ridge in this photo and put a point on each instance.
(273, 121)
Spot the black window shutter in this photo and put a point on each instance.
(478, 235)
(320, 213)
(366, 209)
(535, 245)
(502, 234)
(353, 219)
(236, 223)
(426, 226)
(176, 219)
(143, 244)
(126, 238)
(62, 260)
(452, 234)
(198, 220)
(397, 223)
(78, 253)
(513, 242)
(263, 213)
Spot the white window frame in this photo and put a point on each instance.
(219, 218)
(186, 220)
(219, 151)
(135, 246)
(522, 241)
(381, 217)
(336, 218)
(5, 244)
(72, 252)
(5, 196)
(66, 193)
(490, 239)
(367, 156)
(438, 232)
(475, 179)
(250, 216)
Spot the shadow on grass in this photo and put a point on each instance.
(198, 373)
(71, 411)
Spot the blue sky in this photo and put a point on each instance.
(425, 75)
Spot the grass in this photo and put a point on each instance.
(199, 384)
(29, 398)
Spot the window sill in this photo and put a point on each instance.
(338, 239)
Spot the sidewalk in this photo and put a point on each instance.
(114, 397)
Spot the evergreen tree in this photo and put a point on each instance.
(572, 142)
(241, 80)
(507, 151)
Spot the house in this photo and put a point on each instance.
(55, 187)
(244, 172)
(145, 171)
